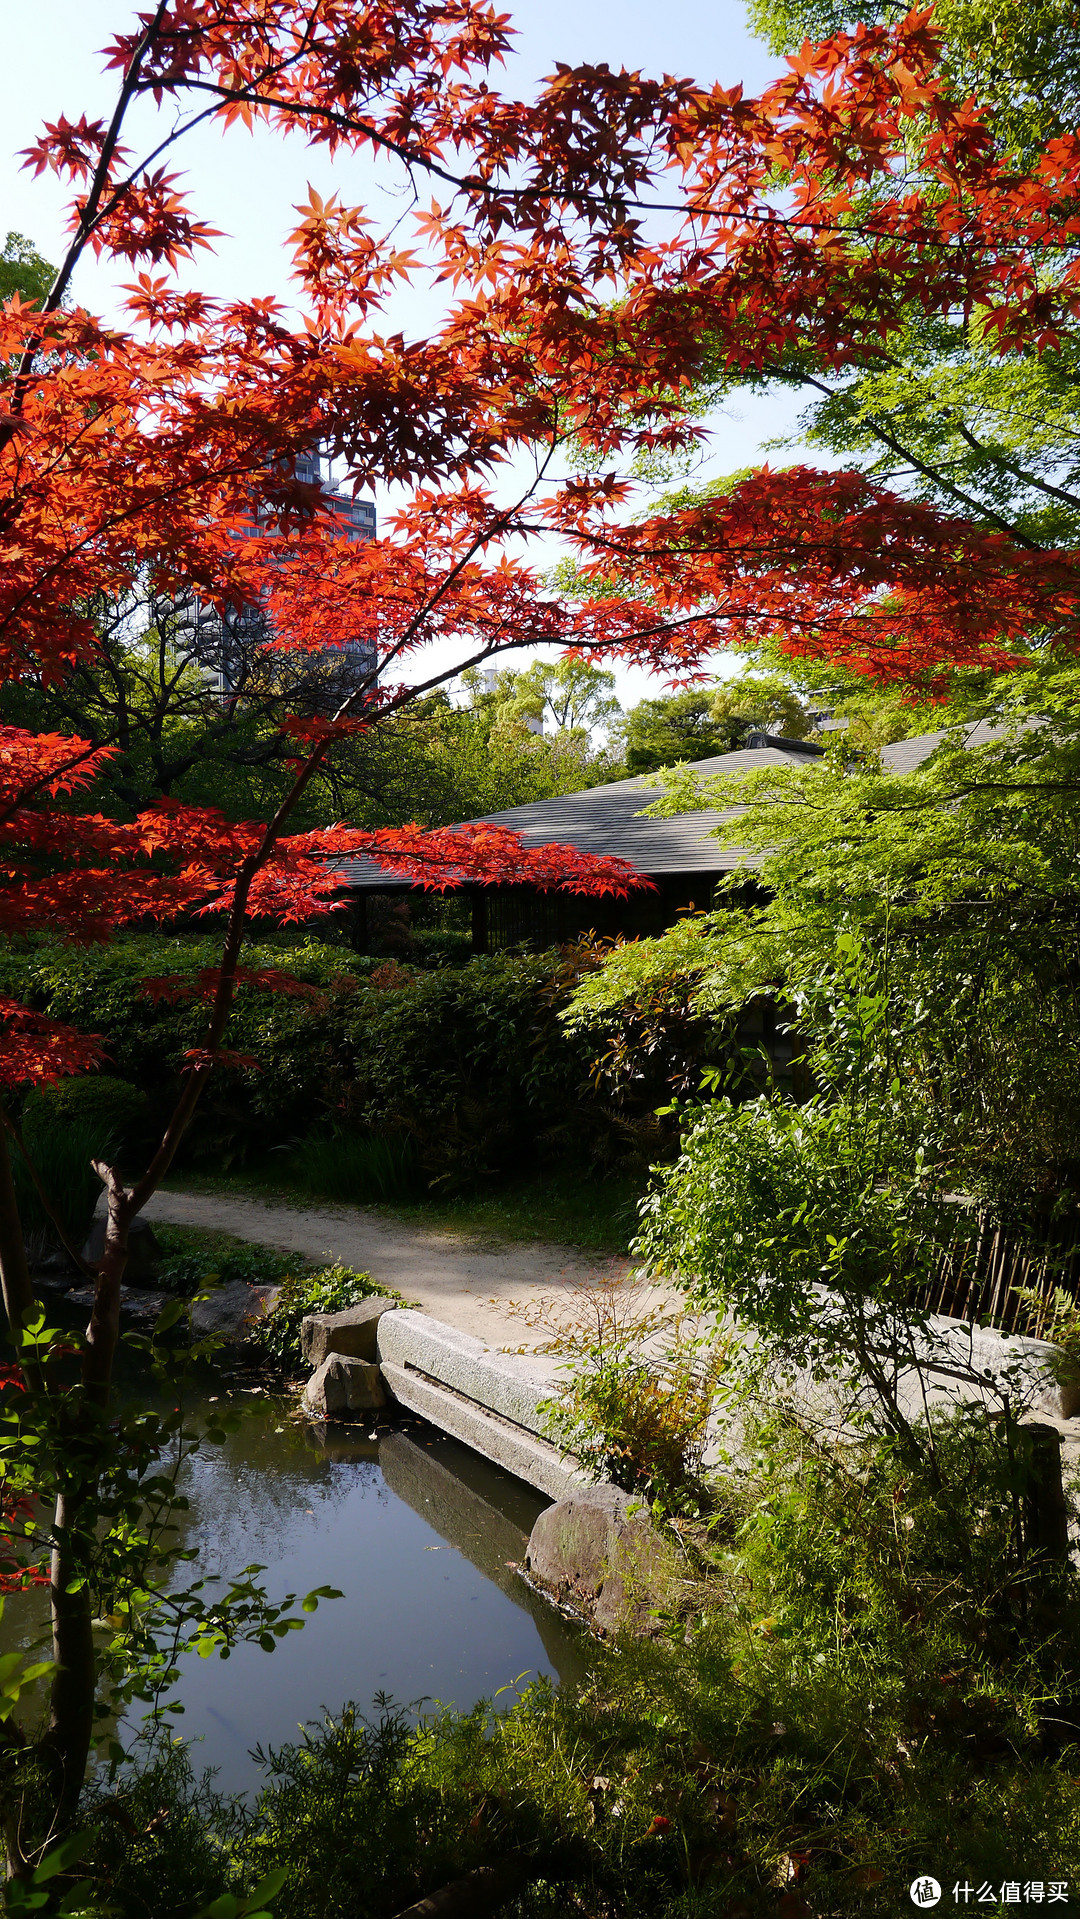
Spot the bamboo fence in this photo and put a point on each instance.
(981, 1273)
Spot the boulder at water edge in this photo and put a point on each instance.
(351, 1331)
(230, 1311)
(598, 1551)
(343, 1387)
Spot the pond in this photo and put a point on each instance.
(420, 1534)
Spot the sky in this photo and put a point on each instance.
(249, 185)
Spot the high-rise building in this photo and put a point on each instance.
(227, 646)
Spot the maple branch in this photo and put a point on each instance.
(27, 792)
(88, 216)
(934, 474)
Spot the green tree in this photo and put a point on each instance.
(569, 694)
(23, 271)
(766, 702)
(664, 731)
(961, 880)
(699, 723)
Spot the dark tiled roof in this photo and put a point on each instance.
(604, 819)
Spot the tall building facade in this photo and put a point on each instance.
(228, 646)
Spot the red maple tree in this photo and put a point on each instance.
(599, 246)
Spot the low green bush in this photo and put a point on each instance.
(636, 1389)
(470, 1063)
(432, 946)
(100, 1099)
(326, 1289)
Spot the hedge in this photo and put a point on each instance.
(470, 1062)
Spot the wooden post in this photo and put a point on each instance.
(1046, 1515)
(479, 920)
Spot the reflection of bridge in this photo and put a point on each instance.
(485, 1515)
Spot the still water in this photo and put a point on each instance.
(419, 1534)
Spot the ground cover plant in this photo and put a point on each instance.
(195, 1261)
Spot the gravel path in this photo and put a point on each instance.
(467, 1282)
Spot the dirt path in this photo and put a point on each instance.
(470, 1283)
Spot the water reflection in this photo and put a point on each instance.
(416, 1531)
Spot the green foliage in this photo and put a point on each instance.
(809, 1225)
(99, 1099)
(681, 727)
(570, 694)
(702, 722)
(861, 1687)
(327, 1289)
(760, 702)
(469, 1063)
(194, 1259)
(440, 946)
(469, 1067)
(62, 1153)
(23, 271)
(435, 763)
(959, 880)
(362, 1171)
(640, 1386)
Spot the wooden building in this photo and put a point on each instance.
(679, 855)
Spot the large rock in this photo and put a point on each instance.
(144, 1252)
(230, 1311)
(343, 1387)
(598, 1551)
(351, 1332)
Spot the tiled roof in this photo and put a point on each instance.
(604, 819)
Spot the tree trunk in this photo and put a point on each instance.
(65, 1747)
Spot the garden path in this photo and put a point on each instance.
(477, 1285)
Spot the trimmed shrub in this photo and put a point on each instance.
(98, 1100)
(470, 1067)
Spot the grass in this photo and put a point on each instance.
(599, 1216)
(594, 1215)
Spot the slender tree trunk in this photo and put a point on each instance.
(65, 1747)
